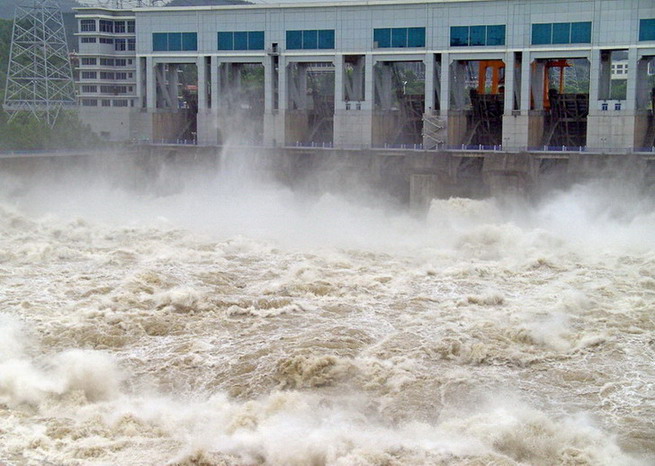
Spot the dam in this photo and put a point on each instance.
(503, 75)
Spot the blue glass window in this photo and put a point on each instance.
(561, 33)
(647, 29)
(256, 40)
(326, 39)
(459, 36)
(310, 39)
(382, 37)
(189, 41)
(174, 42)
(581, 33)
(478, 35)
(159, 41)
(496, 35)
(399, 37)
(225, 41)
(462, 36)
(415, 37)
(294, 40)
(542, 34)
(241, 40)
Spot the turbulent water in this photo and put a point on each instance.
(237, 322)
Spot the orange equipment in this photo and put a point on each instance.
(497, 76)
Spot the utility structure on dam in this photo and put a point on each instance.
(510, 75)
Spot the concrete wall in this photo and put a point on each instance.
(110, 123)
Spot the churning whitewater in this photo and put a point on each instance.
(229, 321)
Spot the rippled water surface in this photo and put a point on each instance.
(237, 322)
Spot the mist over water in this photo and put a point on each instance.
(223, 318)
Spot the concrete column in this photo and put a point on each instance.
(383, 84)
(358, 80)
(594, 73)
(537, 85)
(509, 83)
(444, 81)
(526, 67)
(269, 87)
(139, 82)
(215, 88)
(339, 72)
(643, 89)
(368, 103)
(459, 84)
(282, 84)
(302, 86)
(172, 85)
(202, 83)
(428, 62)
(151, 92)
(633, 72)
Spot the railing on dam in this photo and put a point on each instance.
(462, 148)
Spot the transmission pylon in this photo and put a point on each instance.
(39, 78)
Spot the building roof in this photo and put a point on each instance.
(306, 4)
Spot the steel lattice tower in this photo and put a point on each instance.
(39, 78)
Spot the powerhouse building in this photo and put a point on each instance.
(516, 74)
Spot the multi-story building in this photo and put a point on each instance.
(107, 70)
(510, 73)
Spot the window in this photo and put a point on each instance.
(113, 89)
(131, 44)
(241, 40)
(561, 33)
(104, 40)
(174, 41)
(477, 36)
(88, 40)
(647, 29)
(311, 39)
(88, 88)
(88, 25)
(382, 38)
(120, 62)
(130, 27)
(106, 103)
(120, 45)
(120, 103)
(107, 62)
(121, 76)
(89, 75)
(88, 61)
(106, 26)
(89, 103)
(398, 37)
(119, 27)
(106, 75)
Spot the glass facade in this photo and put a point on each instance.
(399, 37)
(647, 29)
(174, 41)
(311, 39)
(241, 40)
(476, 36)
(561, 33)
